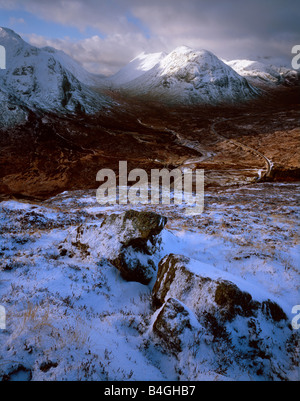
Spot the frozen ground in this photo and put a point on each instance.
(70, 316)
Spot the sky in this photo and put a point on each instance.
(104, 35)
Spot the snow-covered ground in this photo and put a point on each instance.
(71, 316)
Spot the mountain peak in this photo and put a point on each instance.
(6, 33)
(182, 49)
(44, 79)
(184, 76)
(185, 50)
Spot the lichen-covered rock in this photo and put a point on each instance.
(137, 236)
(137, 229)
(128, 241)
(177, 279)
(273, 311)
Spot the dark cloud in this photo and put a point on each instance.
(230, 28)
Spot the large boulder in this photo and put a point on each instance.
(252, 333)
(127, 240)
(136, 229)
(203, 288)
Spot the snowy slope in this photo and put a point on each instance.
(137, 67)
(71, 316)
(75, 68)
(189, 76)
(40, 80)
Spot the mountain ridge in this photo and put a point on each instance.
(191, 77)
(49, 80)
(37, 79)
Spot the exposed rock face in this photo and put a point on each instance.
(19, 374)
(127, 240)
(134, 265)
(241, 327)
(233, 301)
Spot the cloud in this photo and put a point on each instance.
(16, 21)
(100, 55)
(230, 28)
(108, 16)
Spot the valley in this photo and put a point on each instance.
(235, 146)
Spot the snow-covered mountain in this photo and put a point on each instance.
(185, 76)
(256, 70)
(43, 79)
(264, 75)
(48, 79)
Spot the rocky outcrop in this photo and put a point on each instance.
(136, 238)
(137, 229)
(202, 291)
(19, 374)
(197, 301)
(128, 241)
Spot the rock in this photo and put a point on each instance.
(21, 374)
(172, 323)
(196, 285)
(273, 311)
(167, 270)
(235, 327)
(137, 236)
(176, 279)
(134, 265)
(234, 301)
(127, 241)
(137, 229)
(48, 365)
